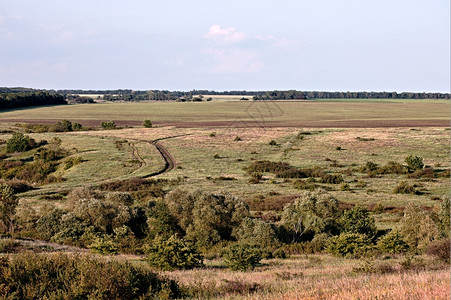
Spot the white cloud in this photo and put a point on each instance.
(225, 35)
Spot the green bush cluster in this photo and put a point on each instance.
(20, 143)
(241, 257)
(61, 276)
(108, 125)
(173, 253)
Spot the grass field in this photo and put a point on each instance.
(336, 114)
(213, 142)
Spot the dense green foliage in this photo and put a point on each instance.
(108, 125)
(8, 205)
(358, 220)
(20, 143)
(392, 243)
(23, 99)
(60, 276)
(314, 212)
(349, 244)
(241, 257)
(173, 253)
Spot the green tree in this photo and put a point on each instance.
(392, 243)
(8, 205)
(313, 212)
(358, 220)
(418, 227)
(349, 244)
(414, 163)
(241, 257)
(206, 218)
(256, 232)
(20, 143)
(173, 253)
(147, 124)
(108, 125)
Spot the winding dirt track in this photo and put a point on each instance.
(170, 162)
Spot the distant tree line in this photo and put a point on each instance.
(130, 95)
(163, 95)
(23, 99)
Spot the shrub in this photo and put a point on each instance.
(256, 232)
(62, 276)
(108, 125)
(237, 139)
(241, 257)
(332, 178)
(77, 126)
(358, 220)
(418, 227)
(440, 249)
(213, 134)
(392, 243)
(345, 187)
(404, 188)
(273, 143)
(8, 205)
(103, 245)
(147, 124)
(314, 212)
(349, 245)
(279, 253)
(414, 163)
(173, 253)
(20, 143)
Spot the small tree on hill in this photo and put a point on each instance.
(147, 124)
(8, 204)
(20, 143)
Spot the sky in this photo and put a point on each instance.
(323, 45)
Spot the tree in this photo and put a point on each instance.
(414, 163)
(20, 143)
(173, 253)
(314, 212)
(147, 124)
(108, 125)
(8, 204)
(358, 220)
(206, 218)
(241, 257)
(417, 227)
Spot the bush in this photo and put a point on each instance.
(237, 139)
(61, 276)
(147, 124)
(279, 253)
(273, 143)
(241, 257)
(103, 245)
(414, 163)
(173, 253)
(404, 188)
(332, 178)
(20, 143)
(349, 245)
(256, 232)
(358, 220)
(392, 243)
(108, 125)
(440, 249)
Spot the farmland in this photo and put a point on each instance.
(214, 145)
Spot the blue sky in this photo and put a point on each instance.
(328, 45)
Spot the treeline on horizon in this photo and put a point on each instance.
(29, 98)
(53, 96)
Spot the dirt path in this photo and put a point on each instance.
(170, 162)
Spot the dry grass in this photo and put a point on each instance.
(314, 277)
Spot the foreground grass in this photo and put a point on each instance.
(319, 277)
